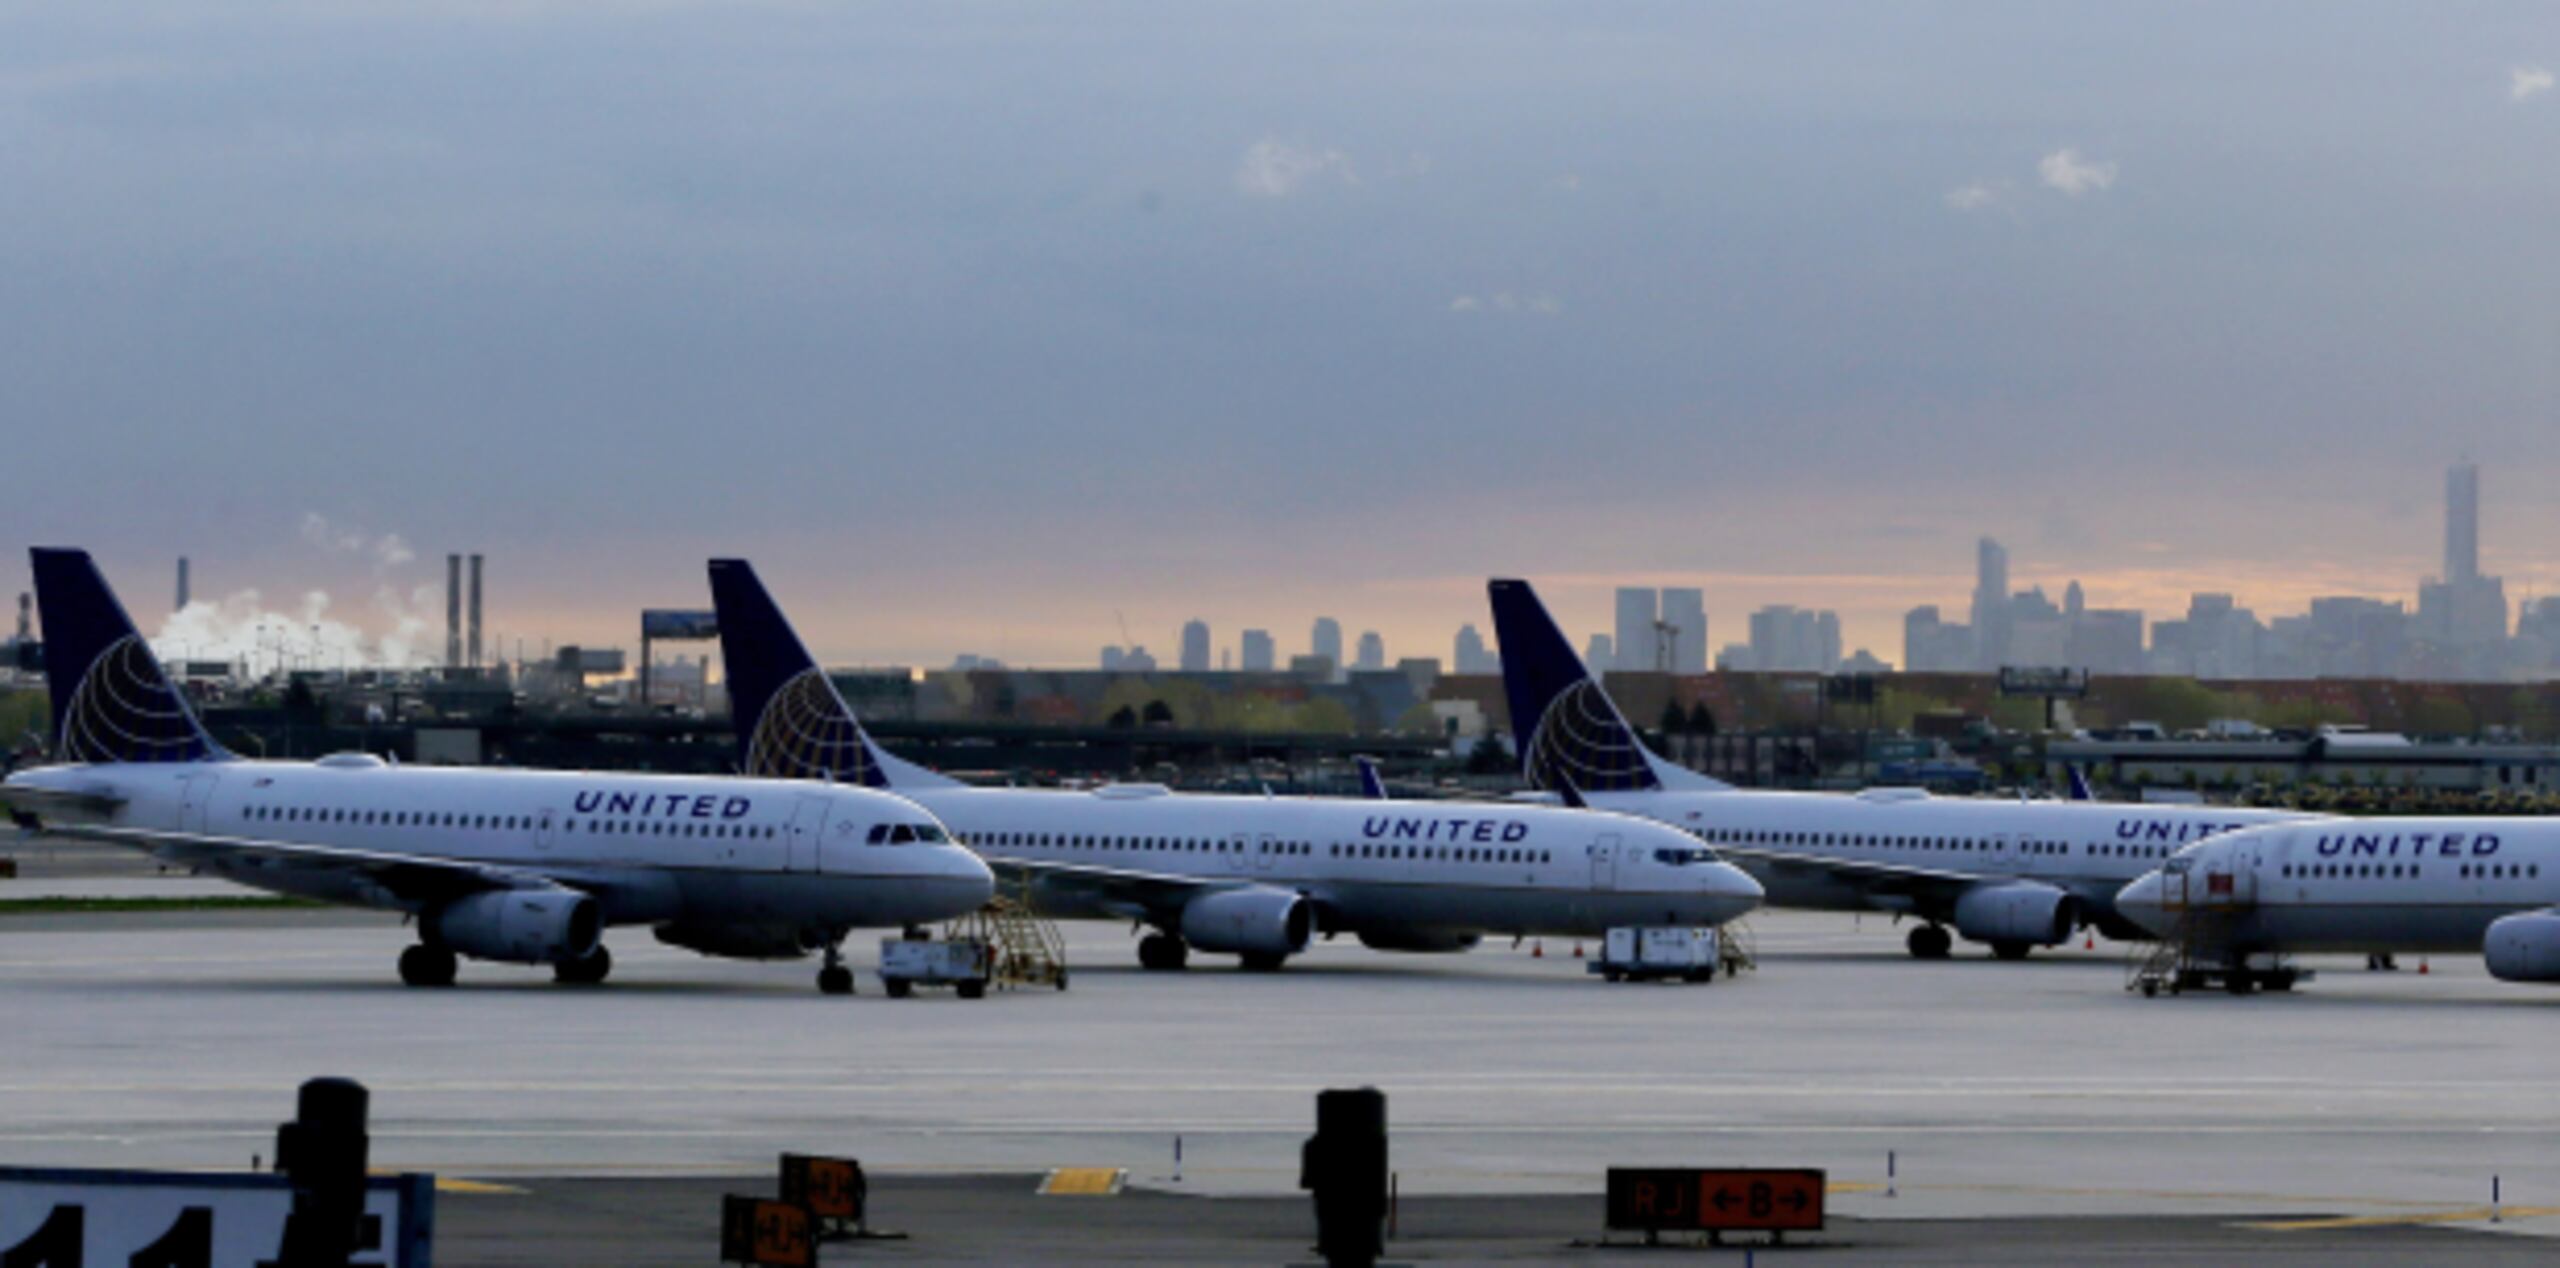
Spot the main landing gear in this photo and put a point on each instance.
(423, 965)
(835, 978)
(1162, 952)
(587, 970)
(1930, 942)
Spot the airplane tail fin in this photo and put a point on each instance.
(791, 721)
(1568, 731)
(1372, 788)
(111, 700)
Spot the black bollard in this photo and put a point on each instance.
(323, 1152)
(1345, 1166)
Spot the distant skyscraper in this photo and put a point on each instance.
(1373, 651)
(1328, 640)
(1113, 655)
(1259, 657)
(1990, 605)
(182, 583)
(1599, 654)
(1471, 657)
(1195, 647)
(2462, 522)
(2074, 602)
(1636, 614)
(1684, 609)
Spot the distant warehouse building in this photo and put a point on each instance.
(2345, 759)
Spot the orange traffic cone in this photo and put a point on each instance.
(1538, 949)
(2091, 944)
(1577, 948)
(2422, 967)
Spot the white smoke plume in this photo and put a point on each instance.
(402, 629)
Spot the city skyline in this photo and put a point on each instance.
(1799, 638)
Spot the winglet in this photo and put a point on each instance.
(2080, 790)
(1371, 787)
(1564, 724)
(790, 720)
(111, 700)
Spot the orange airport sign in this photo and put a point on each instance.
(766, 1234)
(831, 1188)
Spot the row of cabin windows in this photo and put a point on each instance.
(1180, 845)
(1757, 836)
(2391, 871)
(496, 823)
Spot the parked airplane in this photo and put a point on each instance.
(2363, 885)
(2015, 875)
(1252, 877)
(525, 867)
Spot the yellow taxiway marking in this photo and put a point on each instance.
(1083, 1182)
(1853, 1186)
(2468, 1215)
(482, 1188)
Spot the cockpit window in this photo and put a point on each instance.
(903, 834)
(931, 832)
(1684, 857)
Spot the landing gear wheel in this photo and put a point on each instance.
(1930, 942)
(972, 989)
(586, 971)
(2011, 950)
(2242, 982)
(423, 965)
(899, 988)
(1262, 962)
(1162, 952)
(835, 979)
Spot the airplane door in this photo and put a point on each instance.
(543, 830)
(198, 793)
(1237, 846)
(2005, 856)
(801, 845)
(1268, 851)
(1604, 861)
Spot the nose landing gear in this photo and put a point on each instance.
(835, 978)
(423, 965)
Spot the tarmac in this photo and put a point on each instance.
(1956, 1106)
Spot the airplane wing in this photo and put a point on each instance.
(397, 880)
(1929, 884)
(1156, 896)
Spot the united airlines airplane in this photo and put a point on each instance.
(1252, 877)
(522, 867)
(2490, 886)
(2015, 875)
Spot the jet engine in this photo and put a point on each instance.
(2524, 947)
(1416, 938)
(521, 926)
(734, 941)
(1255, 920)
(2018, 912)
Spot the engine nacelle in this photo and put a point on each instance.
(520, 926)
(2021, 911)
(1426, 941)
(734, 941)
(1256, 920)
(2524, 947)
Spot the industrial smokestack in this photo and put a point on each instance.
(475, 611)
(182, 583)
(452, 611)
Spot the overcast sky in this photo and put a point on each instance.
(976, 325)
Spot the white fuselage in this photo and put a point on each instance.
(2089, 849)
(652, 848)
(1376, 868)
(2368, 885)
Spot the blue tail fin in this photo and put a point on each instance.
(1568, 732)
(111, 702)
(791, 722)
(1372, 788)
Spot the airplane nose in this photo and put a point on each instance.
(1734, 886)
(969, 871)
(2140, 903)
